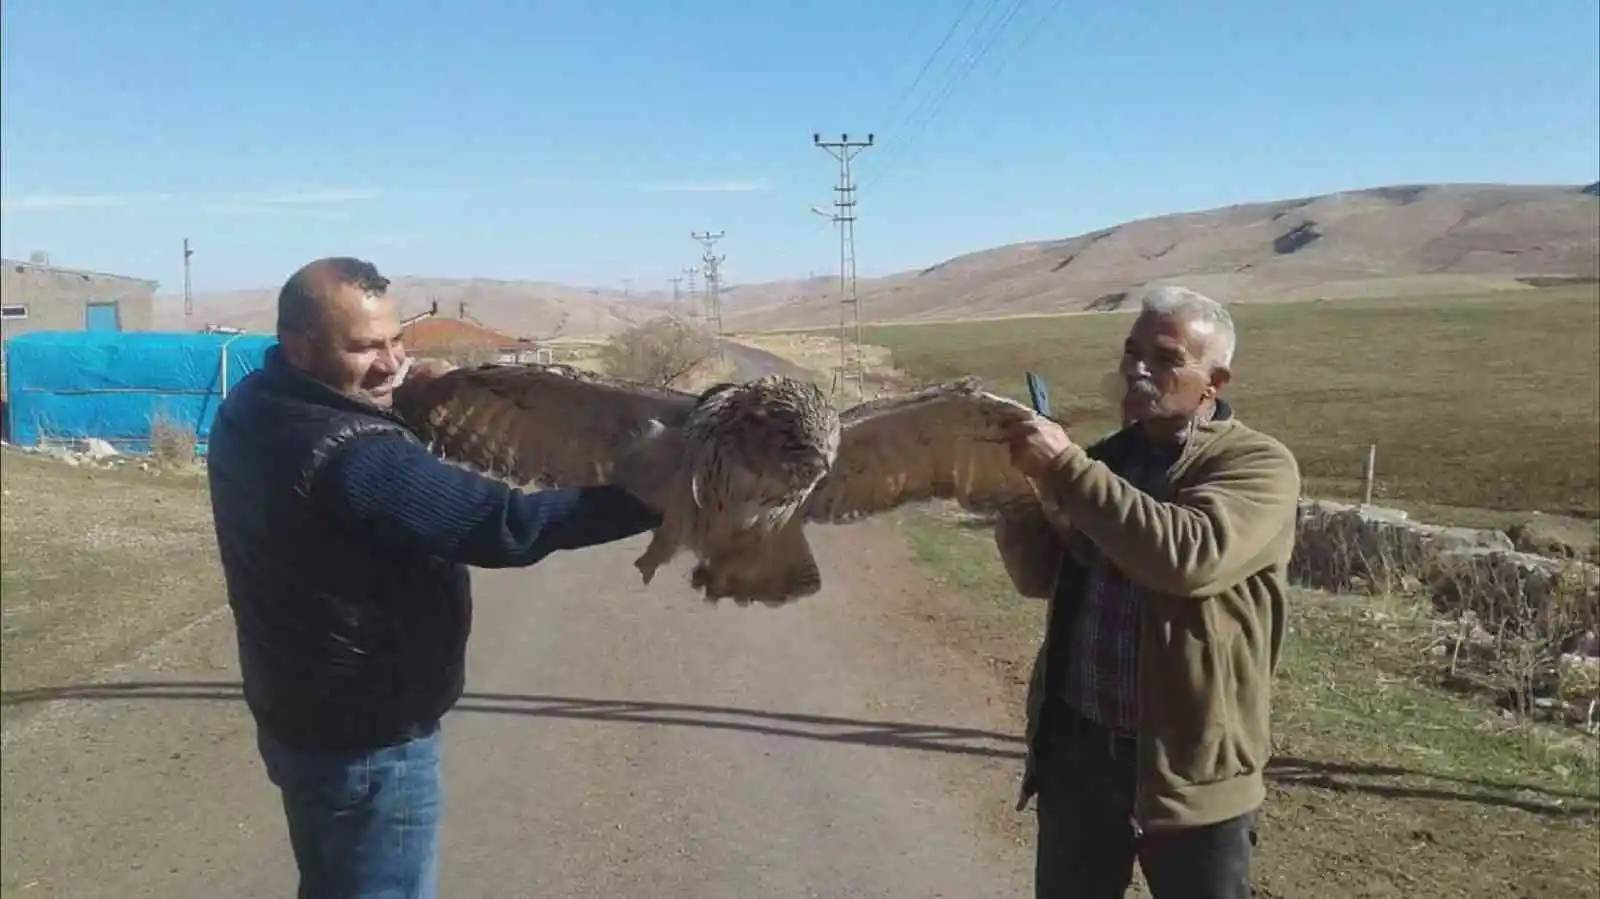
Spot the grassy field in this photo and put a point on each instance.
(1479, 402)
(1380, 781)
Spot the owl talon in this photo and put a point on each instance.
(647, 570)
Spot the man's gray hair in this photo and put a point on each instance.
(1170, 300)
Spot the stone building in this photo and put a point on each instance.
(38, 296)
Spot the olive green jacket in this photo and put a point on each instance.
(1216, 550)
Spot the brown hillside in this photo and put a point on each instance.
(520, 308)
(1383, 241)
(1414, 239)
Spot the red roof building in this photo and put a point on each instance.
(439, 335)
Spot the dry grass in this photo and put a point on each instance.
(462, 355)
(819, 354)
(581, 353)
(173, 443)
(1500, 623)
(97, 564)
(1384, 785)
(1476, 402)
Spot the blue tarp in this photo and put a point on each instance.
(75, 385)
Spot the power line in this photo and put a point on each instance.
(949, 33)
(713, 282)
(844, 149)
(946, 74)
(972, 53)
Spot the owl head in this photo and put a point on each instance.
(779, 426)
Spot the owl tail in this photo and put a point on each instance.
(781, 571)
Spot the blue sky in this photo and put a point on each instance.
(576, 142)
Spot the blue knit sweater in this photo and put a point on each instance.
(400, 493)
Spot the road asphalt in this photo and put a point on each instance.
(616, 740)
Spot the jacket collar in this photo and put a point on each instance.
(1129, 438)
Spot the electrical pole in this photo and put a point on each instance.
(676, 280)
(844, 149)
(188, 294)
(694, 308)
(713, 282)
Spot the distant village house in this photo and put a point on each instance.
(38, 296)
(466, 342)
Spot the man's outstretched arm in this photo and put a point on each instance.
(403, 494)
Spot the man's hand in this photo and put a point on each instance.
(1035, 445)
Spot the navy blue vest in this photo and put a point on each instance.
(343, 643)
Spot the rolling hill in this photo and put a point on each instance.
(1404, 239)
(1382, 241)
(531, 309)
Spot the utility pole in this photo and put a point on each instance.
(694, 308)
(188, 293)
(713, 282)
(676, 280)
(844, 149)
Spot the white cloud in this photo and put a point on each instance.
(82, 201)
(253, 203)
(729, 186)
(385, 240)
(321, 197)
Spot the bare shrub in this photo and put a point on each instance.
(1514, 621)
(1343, 551)
(1504, 622)
(173, 443)
(661, 351)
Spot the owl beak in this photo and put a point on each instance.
(817, 465)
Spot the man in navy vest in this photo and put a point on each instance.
(345, 545)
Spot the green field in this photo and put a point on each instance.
(1475, 403)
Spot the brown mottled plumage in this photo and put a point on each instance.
(737, 471)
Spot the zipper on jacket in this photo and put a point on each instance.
(1184, 460)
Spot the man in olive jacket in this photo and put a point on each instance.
(1162, 550)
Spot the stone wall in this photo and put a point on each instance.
(1349, 548)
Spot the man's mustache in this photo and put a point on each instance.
(1115, 387)
(1144, 389)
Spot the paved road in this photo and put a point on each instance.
(752, 362)
(616, 741)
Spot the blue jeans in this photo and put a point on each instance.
(363, 824)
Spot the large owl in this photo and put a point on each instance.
(737, 471)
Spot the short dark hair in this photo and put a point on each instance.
(306, 293)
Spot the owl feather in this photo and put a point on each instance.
(738, 471)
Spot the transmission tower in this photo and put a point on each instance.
(844, 149)
(694, 307)
(713, 284)
(676, 308)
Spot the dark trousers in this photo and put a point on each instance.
(363, 825)
(1086, 840)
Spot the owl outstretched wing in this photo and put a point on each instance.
(550, 425)
(943, 442)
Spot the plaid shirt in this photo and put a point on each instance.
(1102, 678)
